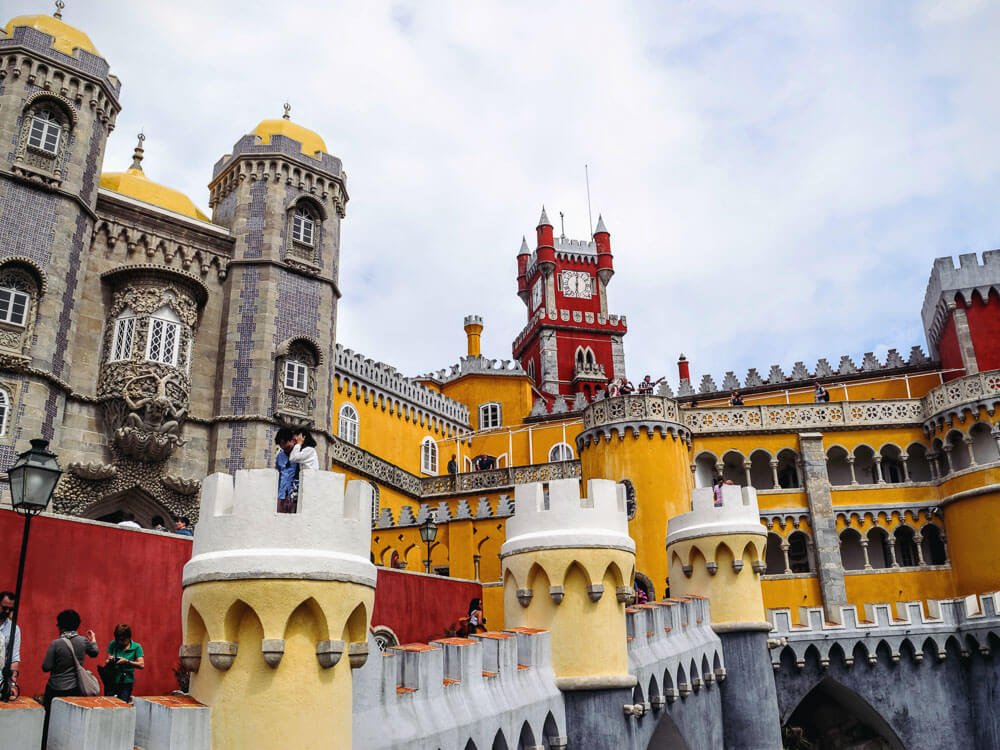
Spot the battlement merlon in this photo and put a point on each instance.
(738, 514)
(563, 519)
(945, 278)
(240, 534)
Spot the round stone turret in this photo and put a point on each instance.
(280, 604)
(567, 567)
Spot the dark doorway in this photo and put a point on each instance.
(832, 717)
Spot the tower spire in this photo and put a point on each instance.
(137, 154)
(543, 220)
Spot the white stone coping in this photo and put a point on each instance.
(738, 514)
(241, 535)
(564, 520)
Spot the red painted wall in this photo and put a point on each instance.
(107, 574)
(111, 575)
(419, 607)
(951, 355)
(984, 325)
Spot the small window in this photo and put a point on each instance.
(4, 411)
(121, 347)
(349, 423)
(376, 503)
(303, 226)
(489, 416)
(164, 337)
(13, 306)
(296, 376)
(45, 132)
(428, 456)
(560, 452)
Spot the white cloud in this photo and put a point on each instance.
(777, 180)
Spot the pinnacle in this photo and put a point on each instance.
(524, 246)
(600, 226)
(543, 220)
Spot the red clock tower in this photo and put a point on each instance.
(571, 343)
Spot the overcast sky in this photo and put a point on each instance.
(777, 179)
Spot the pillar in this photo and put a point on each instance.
(829, 566)
(276, 609)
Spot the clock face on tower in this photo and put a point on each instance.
(578, 284)
(536, 295)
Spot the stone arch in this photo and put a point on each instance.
(499, 741)
(788, 469)
(878, 548)
(852, 555)
(774, 557)
(550, 731)
(356, 626)
(309, 619)
(135, 500)
(799, 559)
(526, 739)
(704, 469)
(195, 630)
(891, 463)
(646, 584)
(932, 545)
(761, 476)
(831, 705)
(240, 616)
(959, 457)
(864, 464)
(906, 547)
(732, 467)
(837, 465)
(984, 445)
(917, 464)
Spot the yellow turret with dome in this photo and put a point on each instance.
(133, 183)
(65, 38)
(311, 141)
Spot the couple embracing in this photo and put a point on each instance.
(296, 448)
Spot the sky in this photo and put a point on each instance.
(777, 177)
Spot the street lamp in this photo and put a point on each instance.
(33, 479)
(428, 530)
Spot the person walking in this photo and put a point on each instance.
(124, 657)
(477, 620)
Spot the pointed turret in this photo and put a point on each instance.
(523, 258)
(605, 260)
(546, 244)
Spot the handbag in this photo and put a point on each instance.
(85, 679)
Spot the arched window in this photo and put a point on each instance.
(428, 456)
(164, 337)
(490, 416)
(798, 552)
(46, 130)
(376, 502)
(852, 555)
(561, 452)
(303, 226)
(4, 410)
(121, 346)
(906, 547)
(349, 423)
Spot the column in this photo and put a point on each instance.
(944, 543)
(918, 539)
(774, 473)
(972, 454)
(829, 567)
(879, 479)
(946, 449)
(864, 548)
(784, 552)
(746, 472)
(891, 541)
(850, 463)
(933, 464)
(903, 458)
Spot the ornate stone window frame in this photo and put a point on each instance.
(305, 217)
(37, 160)
(295, 405)
(20, 278)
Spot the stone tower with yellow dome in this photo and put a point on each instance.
(150, 343)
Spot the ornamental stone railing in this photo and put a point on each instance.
(352, 457)
(768, 417)
(630, 409)
(957, 396)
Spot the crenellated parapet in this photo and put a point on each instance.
(956, 627)
(673, 651)
(280, 604)
(462, 692)
(567, 566)
(946, 282)
(717, 549)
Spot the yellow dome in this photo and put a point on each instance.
(64, 37)
(311, 142)
(135, 184)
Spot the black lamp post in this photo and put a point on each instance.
(428, 531)
(33, 479)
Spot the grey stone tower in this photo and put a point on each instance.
(58, 103)
(282, 196)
